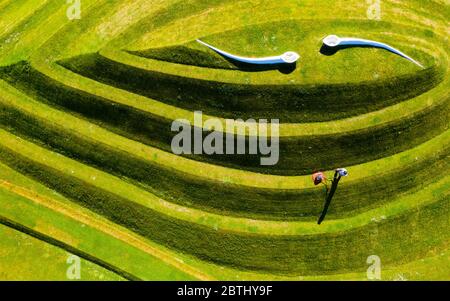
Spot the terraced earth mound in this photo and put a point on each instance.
(86, 166)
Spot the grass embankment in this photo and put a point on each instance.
(288, 103)
(349, 148)
(191, 190)
(411, 269)
(362, 173)
(250, 251)
(376, 118)
(59, 221)
(255, 251)
(412, 225)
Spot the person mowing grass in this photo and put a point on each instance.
(319, 178)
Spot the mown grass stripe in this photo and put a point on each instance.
(193, 192)
(17, 12)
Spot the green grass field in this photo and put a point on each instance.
(86, 166)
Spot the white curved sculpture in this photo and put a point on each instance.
(343, 172)
(286, 58)
(335, 41)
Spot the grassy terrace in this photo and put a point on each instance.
(298, 101)
(71, 227)
(377, 141)
(302, 202)
(85, 114)
(166, 230)
(60, 230)
(385, 126)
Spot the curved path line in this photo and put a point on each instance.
(104, 227)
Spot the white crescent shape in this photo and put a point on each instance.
(286, 58)
(335, 41)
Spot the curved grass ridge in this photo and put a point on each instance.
(395, 204)
(129, 122)
(164, 159)
(261, 203)
(219, 272)
(101, 180)
(137, 217)
(377, 118)
(289, 103)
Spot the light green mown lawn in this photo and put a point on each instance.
(86, 165)
(26, 258)
(15, 12)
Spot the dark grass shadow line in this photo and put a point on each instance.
(329, 51)
(247, 67)
(201, 60)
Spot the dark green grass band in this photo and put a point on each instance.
(186, 56)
